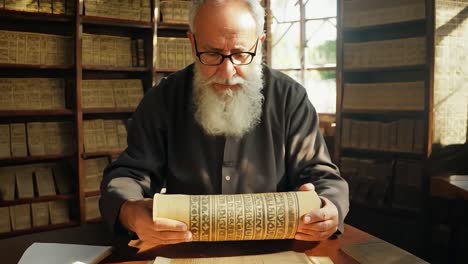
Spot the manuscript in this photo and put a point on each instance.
(256, 216)
(289, 257)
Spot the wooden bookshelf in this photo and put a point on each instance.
(39, 229)
(114, 22)
(37, 199)
(87, 155)
(128, 110)
(74, 26)
(13, 160)
(19, 113)
(92, 193)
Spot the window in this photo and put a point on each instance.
(303, 45)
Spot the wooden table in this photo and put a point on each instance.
(450, 187)
(125, 254)
(455, 189)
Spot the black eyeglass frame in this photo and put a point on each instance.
(198, 54)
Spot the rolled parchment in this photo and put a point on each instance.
(255, 216)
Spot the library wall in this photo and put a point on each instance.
(450, 73)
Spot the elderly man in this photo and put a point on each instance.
(224, 125)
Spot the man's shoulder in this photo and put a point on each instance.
(280, 83)
(179, 76)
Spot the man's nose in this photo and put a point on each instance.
(226, 69)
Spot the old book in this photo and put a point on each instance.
(63, 178)
(289, 257)
(161, 61)
(124, 49)
(257, 221)
(6, 93)
(5, 147)
(57, 89)
(405, 135)
(34, 95)
(20, 216)
(45, 6)
(171, 54)
(59, 6)
(106, 94)
(18, 140)
(5, 224)
(20, 95)
(363, 134)
(40, 214)
(379, 251)
(12, 38)
(33, 50)
(59, 212)
(21, 49)
(120, 94)
(141, 52)
(107, 50)
(35, 131)
(134, 91)
(91, 173)
(419, 136)
(7, 183)
(188, 53)
(100, 134)
(24, 182)
(51, 139)
(374, 135)
(22, 5)
(4, 47)
(92, 207)
(87, 49)
(89, 136)
(112, 139)
(56, 253)
(180, 53)
(392, 136)
(44, 181)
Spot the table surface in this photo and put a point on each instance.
(140, 254)
(453, 186)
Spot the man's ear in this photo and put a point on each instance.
(192, 43)
(262, 38)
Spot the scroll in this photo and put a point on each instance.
(256, 216)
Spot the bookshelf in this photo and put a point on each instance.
(117, 68)
(384, 113)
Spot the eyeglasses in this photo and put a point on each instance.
(215, 58)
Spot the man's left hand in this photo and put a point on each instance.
(319, 225)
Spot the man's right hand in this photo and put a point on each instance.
(136, 216)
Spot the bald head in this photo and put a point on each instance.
(224, 11)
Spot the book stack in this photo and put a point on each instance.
(93, 169)
(175, 12)
(42, 6)
(32, 93)
(50, 138)
(125, 93)
(368, 179)
(173, 53)
(35, 48)
(139, 10)
(407, 191)
(30, 181)
(114, 51)
(403, 135)
(363, 13)
(384, 96)
(398, 52)
(101, 135)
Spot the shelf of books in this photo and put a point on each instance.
(71, 74)
(173, 50)
(117, 68)
(383, 120)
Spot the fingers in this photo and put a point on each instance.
(313, 236)
(322, 226)
(307, 187)
(164, 224)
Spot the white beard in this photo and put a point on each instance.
(233, 112)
